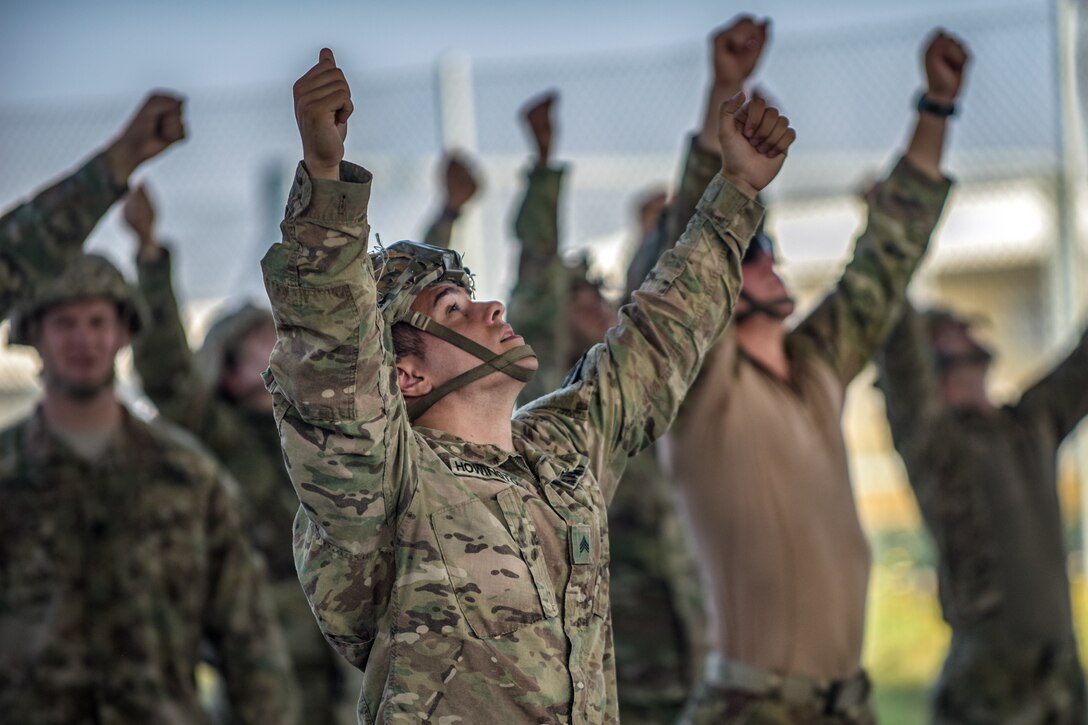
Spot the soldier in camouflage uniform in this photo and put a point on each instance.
(217, 394)
(986, 482)
(758, 454)
(456, 556)
(657, 618)
(460, 183)
(121, 554)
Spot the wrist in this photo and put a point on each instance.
(120, 163)
(742, 185)
(936, 104)
(322, 171)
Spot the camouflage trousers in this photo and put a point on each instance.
(751, 700)
(987, 680)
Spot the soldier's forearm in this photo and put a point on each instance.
(926, 146)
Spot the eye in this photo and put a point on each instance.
(453, 307)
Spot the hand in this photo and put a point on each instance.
(139, 215)
(537, 114)
(945, 61)
(754, 139)
(461, 183)
(322, 108)
(735, 50)
(156, 125)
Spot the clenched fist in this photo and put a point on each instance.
(945, 60)
(754, 138)
(322, 108)
(156, 125)
(735, 50)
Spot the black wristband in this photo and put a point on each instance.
(933, 108)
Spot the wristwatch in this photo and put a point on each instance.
(925, 105)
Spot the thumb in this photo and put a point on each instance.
(733, 105)
(326, 56)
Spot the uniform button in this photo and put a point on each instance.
(581, 685)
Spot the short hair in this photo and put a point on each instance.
(407, 340)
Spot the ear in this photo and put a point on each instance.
(413, 382)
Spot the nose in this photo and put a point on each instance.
(495, 311)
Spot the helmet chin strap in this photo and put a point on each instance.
(770, 308)
(491, 362)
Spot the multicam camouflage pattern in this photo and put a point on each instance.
(657, 618)
(44, 235)
(711, 705)
(184, 387)
(462, 578)
(88, 275)
(987, 489)
(113, 574)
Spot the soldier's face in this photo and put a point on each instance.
(243, 380)
(763, 284)
(77, 342)
(480, 321)
(589, 316)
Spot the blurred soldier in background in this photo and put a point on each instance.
(759, 457)
(986, 482)
(218, 395)
(121, 552)
(458, 556)
(460, 182)
(657, 619)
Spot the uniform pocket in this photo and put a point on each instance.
(494, 586)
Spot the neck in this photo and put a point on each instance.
(763, 338)
(97, 412)
(966, 390)
(477, 418)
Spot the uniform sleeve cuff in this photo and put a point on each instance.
(344, 200)
(731, 210)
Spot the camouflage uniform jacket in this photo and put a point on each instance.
(112, 573)
(44, 235)
(462, 578)
(987, 489)
(247, 443)
(657, 617)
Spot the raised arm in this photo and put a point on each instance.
(735, 51)
(461, 184)
(161, 354)
(239, 621)
(41, 237)
(1061, 398)
(538, 302)
(909, 382)
(854, 320)
(625, 392)
(342, 422)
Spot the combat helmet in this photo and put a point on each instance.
(90, 275)
(224, 337)
(402, 271)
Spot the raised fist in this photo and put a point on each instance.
(461, 183)
(945, 60)
(735, 50)
(156, 125)
(322, 107)
(754, 139)
(537, 114)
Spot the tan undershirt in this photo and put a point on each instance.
(762, 470)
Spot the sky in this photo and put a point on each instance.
(56, 49)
